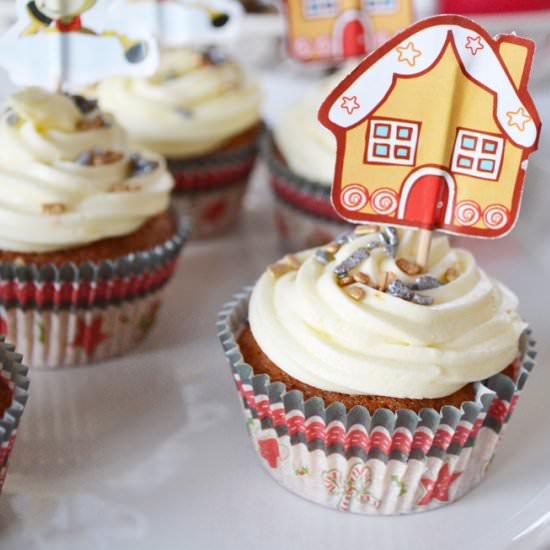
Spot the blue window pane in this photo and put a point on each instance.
(468, 143)
(465, 162)
(487, 165)
(404, 133)
(489, 146)
(402, 152)
(381, 150)
(382, 130)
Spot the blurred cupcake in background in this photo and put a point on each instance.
(300, 154)
(201, 112)
(87, 242)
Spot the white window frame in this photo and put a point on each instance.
(477, 154)
(327, 11)
(380, 7)
(392, 141)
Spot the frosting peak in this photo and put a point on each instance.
(357, 317)
(68, 177)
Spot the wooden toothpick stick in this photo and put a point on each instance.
(424, 245)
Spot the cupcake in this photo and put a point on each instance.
(202, 113)
(370, 386)
(87, 244)
(300, 154)
(14, 386)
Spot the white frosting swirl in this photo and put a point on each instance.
(50, 199)
(192, 106)
(383, 345)
(307, 146)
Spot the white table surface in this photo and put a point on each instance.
(150, 451)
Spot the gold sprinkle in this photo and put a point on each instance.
(53, 208)
(356, 292)
(451, 274)
(122, 187)
(332, 248)
(292, 261)
(90, 123)
(345, 281)
(361, 277)
(279, 269)
(408, 267)
(387, 279)
(106, 157)
(366, 229)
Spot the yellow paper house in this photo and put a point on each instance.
(434, 130)
(329, 29)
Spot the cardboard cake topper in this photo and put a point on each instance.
(74, 43)
(328, 30)
(434, 130)
(186, 22)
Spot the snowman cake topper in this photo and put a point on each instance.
(185, 22)
(434, 130)
(72, 43)
(332, 30)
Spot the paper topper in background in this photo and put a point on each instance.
(325, 30)
(73, 43)
(185, 22)
(434, 130)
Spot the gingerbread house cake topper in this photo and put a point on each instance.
(328, 30)
(72, 43)
(434, 130)
(185, 22)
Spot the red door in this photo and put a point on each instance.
(353, 39)
(427, 202)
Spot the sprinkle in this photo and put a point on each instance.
(422, 300)
(362, 278)
(84, 105)
(101, 158)
(426, 282)
(372, 245)
(355, 292)
(140, 166)
(342, 269)
(323, 256)
(451, 274)
(292, 261)
(85, 158)
(85, 124)
(345, 238)
(388, 278)
(408, 267)
(122, 187)
(279, 269)
(399, 289)
(332, 248)
(12, 118)
(214, 56)
(345, 281)
(366, 229)
(183, 112)
(391, 250)
(392, 236)
(53, 208)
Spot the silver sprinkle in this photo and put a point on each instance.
(342, 269)
(185, 113)
(399, 289)
(372, 245)
(12, 118)
(345, 238)
(322, 256)
(391, 250)
(425, 282)
(422, 300)
(392, 236)
(85, 158)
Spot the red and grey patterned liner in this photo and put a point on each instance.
(314, 221)
(381, 464)
(60, 316)
(211, 188)
(14, 376)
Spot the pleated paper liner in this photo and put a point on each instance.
(303, 212)
(78, 314)
(379, 464)
(13, 377)
(210, 189)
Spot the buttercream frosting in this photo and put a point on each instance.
(68, 176)
(194, 104)
(373, 342)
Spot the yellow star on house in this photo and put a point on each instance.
(518, 118)
(408, 54)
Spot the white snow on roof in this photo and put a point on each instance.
(485, 67)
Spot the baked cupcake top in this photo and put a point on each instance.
(357, 317)
(194, 104)
(308, 147)
(68, 176)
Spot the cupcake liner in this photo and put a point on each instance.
(384, 463)
(304, 215)
(73, 315)
(210, 189)
(14, 375)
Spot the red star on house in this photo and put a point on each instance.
(438, 489)
(88, 337)
(473, 43)
(350, 104)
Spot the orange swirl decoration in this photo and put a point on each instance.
(496, 216)
(467, 213)
(384, 201)
(354, 197)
